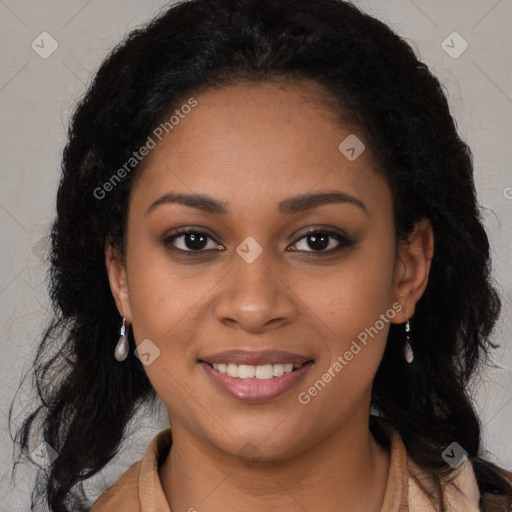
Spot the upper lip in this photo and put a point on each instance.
(250, 357)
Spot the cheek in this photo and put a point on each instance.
(159, 298)
(164, 307)
(354, 304)
(170, 304)
(349, 296)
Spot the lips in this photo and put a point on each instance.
(288, 369)
(253, 358)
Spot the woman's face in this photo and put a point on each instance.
(250, 277)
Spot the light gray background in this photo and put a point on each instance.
(37, 96)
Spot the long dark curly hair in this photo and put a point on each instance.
(379, 86)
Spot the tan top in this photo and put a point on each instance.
(139, 488)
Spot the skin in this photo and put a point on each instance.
(251, 146)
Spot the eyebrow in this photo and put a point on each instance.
(291, 205)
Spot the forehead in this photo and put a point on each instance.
(257, 143)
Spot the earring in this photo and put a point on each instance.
(122, 348)
(408, 353)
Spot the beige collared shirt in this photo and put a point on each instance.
(139, 488)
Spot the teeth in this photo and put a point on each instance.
(249, 371)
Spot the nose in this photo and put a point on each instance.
(256, 296)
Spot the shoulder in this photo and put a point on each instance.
(495, 484)
(460, 491)
(475, 485)
(139, 488)
(122, 495)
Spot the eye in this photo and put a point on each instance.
(322, 241)
(189, 240)
(194, 242)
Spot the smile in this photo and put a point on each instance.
(249, 371)
(256, 383)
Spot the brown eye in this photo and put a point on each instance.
(194, 242)
(322, 241)
(190, 240)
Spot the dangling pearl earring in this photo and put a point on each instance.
(122, 348)
(408, 353)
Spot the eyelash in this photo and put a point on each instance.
(343, 240)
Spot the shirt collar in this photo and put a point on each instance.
(151, 494)
(152, 497)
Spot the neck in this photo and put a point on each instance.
(346, 471)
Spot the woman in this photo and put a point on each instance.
(257, 223)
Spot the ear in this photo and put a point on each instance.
(118, 281)
(412, 267)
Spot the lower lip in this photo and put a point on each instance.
(256, 390)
